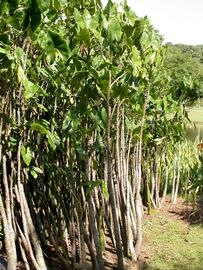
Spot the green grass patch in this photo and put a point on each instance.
(173, 244)
(196, 115)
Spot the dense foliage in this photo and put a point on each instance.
(88, 129)
(184, 63)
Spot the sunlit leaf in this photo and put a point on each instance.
(87, 18)
(39, 127)
(34, 174)
(53, 139)
(79, 19)
(26, 155)
(37, 170)
(31, 89)
(159, 140)
(114, 29)
(136, 60)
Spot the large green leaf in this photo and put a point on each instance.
(99, 144)
(57, 45)
(34, 174)
(84, 36)
(87, 18)
(136, 60)
(6, 50)
(43, 4)
(114, 30)
(35, 171)
(104, 115)
(31, 89)
(26, 155)
(79, 19)
(39, 127)
(95, 21)
(150, 57)
(145, 40)
(53, 139)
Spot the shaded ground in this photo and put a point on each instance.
(173, 240)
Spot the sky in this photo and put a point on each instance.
(179, 21)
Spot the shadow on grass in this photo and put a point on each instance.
(191, 214)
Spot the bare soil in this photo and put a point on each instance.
(186, 213)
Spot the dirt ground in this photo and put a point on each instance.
(179, 211)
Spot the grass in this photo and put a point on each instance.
(173, 244)
(196, 115)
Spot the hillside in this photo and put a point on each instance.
(185, 63)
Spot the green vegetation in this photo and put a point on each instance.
(173, 244)
(91, 127)
(185, 66)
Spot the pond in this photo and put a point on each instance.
(194, 130)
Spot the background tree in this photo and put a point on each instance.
(183, 64)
